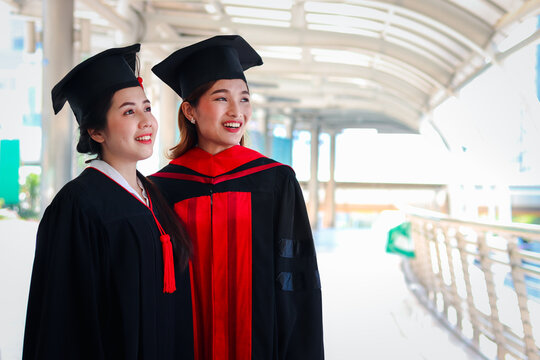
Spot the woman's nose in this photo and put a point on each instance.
(146, 121)
(233, 110)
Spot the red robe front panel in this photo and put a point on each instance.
(255, 285)
(221, 273)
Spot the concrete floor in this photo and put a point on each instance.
(17, 243)
(369, 313)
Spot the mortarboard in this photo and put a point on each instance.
(220, 57)
(103, 73)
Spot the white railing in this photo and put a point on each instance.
(481, 279)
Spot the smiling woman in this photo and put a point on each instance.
(109, 278)
(255, 283)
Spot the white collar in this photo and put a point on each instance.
(111, 172)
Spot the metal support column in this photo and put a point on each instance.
(267, 135)
(290, 135)
(167, 122)
(57, 131)
(313, 185)
(330, 201)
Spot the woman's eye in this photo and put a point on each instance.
(246, 99)
(148, 109)
(129, 112)
(221, 99)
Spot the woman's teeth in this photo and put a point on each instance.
(143, 138)
(233, 125)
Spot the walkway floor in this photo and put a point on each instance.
(368, 311)
(17, 243)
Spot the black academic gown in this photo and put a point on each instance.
(255, 284)
(97, 282)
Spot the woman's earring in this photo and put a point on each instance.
(192, 120)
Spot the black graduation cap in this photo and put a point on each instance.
(103, 73)
(220, 57)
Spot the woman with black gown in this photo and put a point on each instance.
(109, 279)
(255, 283)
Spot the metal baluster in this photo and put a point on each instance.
(432, 278)
(456, 300)
(521, 291)
(439, 280)
(496, 325)
(414, 261)
(419, 261)
(462, 245)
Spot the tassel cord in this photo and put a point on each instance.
(169, 282)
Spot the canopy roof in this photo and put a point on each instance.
(381, 64)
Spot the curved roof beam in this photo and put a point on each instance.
(446, 17)
(403, 112)
(382, 124)
(529, 7)
(331, 119)
(334, 90)
(284, 68)
(339, 58)
(385, 22)
(313, 105)
(258, 36)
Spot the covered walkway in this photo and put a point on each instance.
(377, 105)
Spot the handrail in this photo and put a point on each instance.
(480, 280)
(514, 228)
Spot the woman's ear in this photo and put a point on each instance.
(96, 135)
(188, 110)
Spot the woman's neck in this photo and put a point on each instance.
(128, 170)
(213, 149)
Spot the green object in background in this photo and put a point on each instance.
(9, 171)
(400, 241)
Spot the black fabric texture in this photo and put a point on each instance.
(97, 283)
(287, 320)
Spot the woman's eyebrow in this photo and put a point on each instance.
(226, 91)
(127, 103)
(219, 90)
(130, 103)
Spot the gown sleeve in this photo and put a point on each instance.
(64, 317)
(298, 293)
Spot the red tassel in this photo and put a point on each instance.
(139, 79)
(169, 283)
